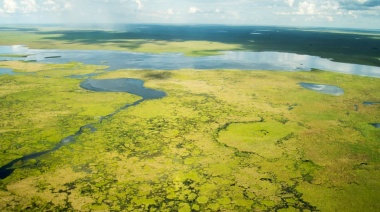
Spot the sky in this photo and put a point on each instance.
(306, 13)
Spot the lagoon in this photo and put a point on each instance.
(133, 86)
(243, 60)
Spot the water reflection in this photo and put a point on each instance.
(170, 61)
(15, 49)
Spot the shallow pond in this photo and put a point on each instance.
(170, 61)
(6, 71)
(326, 89)
(377, 125)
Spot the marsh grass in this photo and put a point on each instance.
(224, 140)
(45, 107)
(14, 55)
(49, 40)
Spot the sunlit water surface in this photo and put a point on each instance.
(172, 61)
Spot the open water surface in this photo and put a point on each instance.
(6, 71)
(172, 61)
(326, 89)
(133, 86)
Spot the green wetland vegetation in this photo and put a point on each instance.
(220, 140)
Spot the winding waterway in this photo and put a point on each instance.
(133, 86)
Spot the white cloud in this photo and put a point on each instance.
(49, 5)
(49, 2)
(170, 11)
(68, 5)
(330, 6)
(139, 4)
(290, 2)
(306, 8)
(193, 10)
(28, 6)
(9, 6)
(114, 3)
(266, 12)
(313, 11)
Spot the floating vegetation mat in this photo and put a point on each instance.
(221, 140)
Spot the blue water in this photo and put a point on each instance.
(133, 86)
(6, 71)
(172, 61)
(325, 89)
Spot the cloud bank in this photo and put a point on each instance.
(335, 13)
